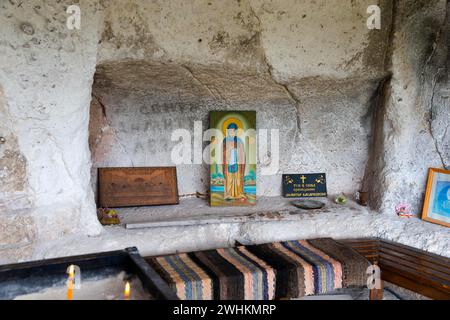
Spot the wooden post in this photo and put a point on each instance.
(377, 294)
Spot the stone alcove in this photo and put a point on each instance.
(137, 105)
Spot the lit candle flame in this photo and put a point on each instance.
(127, 290)
(71, 271)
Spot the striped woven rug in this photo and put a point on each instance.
(222, 274)
(263, 272)
(312, 267)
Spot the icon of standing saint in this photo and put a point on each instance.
(233, 163)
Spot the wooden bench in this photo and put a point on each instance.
(416, 270)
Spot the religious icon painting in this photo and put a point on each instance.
(436, 208)
(233, 158)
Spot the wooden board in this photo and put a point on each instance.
(132, 187)
(419, 271)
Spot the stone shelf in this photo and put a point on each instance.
(335, 221)
(194, 211)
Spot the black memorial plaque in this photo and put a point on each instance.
(304, 185)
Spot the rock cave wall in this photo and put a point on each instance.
(138, 105)
(411, 118)
(46, 74)
(348, 100)
(158, 73)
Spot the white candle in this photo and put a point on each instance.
(70, 282)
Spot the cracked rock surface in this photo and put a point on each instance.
(369, 107)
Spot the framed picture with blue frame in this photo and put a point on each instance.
(436, 208)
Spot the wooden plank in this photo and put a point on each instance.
(413, 275)
(443, 261)
(390, 275)
(360, 241)
(366, 248)
(414, 269)
(416, 261)
(375, 250)
(417, 253)
(131, 187)
(421, 271)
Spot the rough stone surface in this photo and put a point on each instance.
(438, 92)
(329, 38)
(46, 78)
(409, 123)
(12, 162)
(340, 222)
(17, 231)
(315, 87)
(310, 68)
(137, 106)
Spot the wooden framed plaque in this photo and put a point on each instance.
(133, 187)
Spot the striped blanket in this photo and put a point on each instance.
(222, 274)
(262, 272)
(312, 267)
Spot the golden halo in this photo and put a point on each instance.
(229, 121)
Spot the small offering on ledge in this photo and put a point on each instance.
(108, 216)
(308, 204)
(403, 210)
(341, 200)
